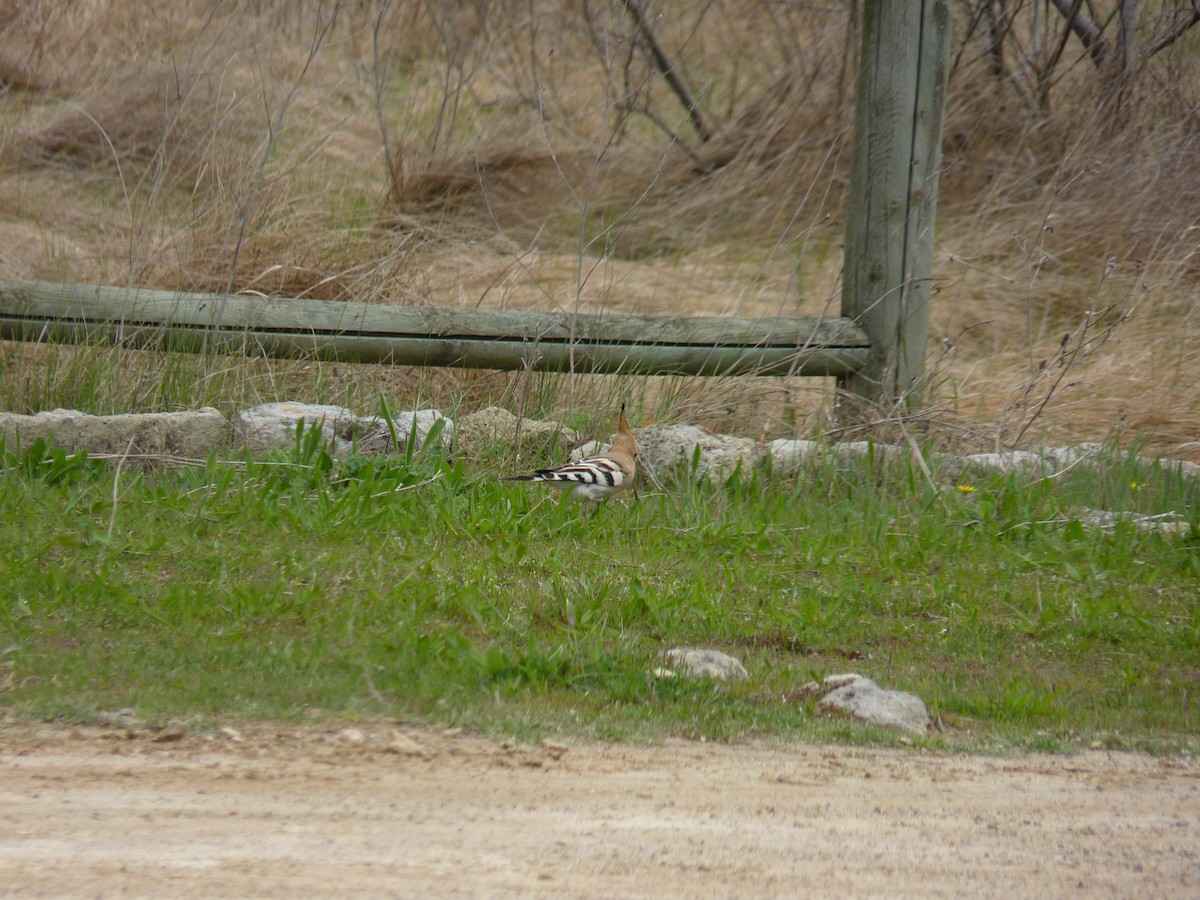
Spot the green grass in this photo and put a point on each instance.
(413, 587)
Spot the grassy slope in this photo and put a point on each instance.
(414, 588)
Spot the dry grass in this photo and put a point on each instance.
(526, 155)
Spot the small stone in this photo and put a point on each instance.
(117, 717)
(700, 663)
(403, 745)
(352, 736)
(863, 699)
(231, 734)
(555, 749)
(176, 731)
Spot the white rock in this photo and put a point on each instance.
(788, 454)
(375, 435)
(1062, 457)
(699, 663)
(862, 698)
(193, 432)
(1009, 461)
(403, 745)
(1166, 523)
(495, 429)
(1050, 460)
(272, 426)
(589, 448)
(352, 736)
(664, 447)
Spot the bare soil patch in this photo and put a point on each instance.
(378, 811)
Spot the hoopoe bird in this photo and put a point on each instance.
(595, 478)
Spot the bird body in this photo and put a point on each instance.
(595, 478)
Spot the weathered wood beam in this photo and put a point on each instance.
(892, 200)
(429, 336)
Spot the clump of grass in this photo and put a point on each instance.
(144, 121)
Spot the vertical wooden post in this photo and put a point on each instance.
(893, 190)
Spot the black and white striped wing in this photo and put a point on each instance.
(597, 471)
(590, 479)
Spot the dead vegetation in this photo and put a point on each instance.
(535, 155)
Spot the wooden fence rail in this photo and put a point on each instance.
(429, 336)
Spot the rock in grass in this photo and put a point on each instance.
(483, 433)
(663, 448)
(787, 455)
(376, 433)
(1164, 523)
(192, 432)
(272, 426)
(1022, 462)
(694, 662)
(862, 698)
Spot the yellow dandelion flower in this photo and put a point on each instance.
(966, 488)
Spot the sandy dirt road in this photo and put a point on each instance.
(377, 811)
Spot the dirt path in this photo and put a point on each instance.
(279, 811)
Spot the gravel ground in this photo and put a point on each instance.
(274, 810)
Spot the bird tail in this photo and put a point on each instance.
(555, 475)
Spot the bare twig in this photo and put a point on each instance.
(1046, 68)
(1089, 33)
(1175, 31)
(323, 28)
(629, 107)
(1076, 345)
(409, 487)
(977, 10)
(668, 69)
(377, 70)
